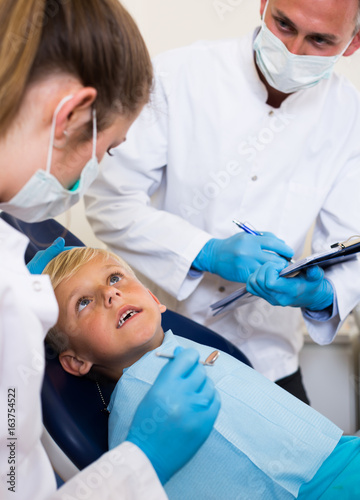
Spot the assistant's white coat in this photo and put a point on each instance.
(27, 309)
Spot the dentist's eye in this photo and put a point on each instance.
(115, 278)
(82, 303)
(319, 40)
(282, 24)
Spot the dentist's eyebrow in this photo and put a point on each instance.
(279, 13)
(327, 36)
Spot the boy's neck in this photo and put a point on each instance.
(114, 373)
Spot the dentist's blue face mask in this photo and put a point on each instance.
(289, 72)
(43, 196)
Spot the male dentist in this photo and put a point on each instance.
(259, 129)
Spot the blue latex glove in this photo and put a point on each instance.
(42, 258)
(309, 290)
(237, 257)
(177, 414)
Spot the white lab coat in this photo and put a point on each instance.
(209, 149)
(28, 308)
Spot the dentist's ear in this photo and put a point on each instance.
(262, 7)
(73, 364)
(354, 46)
(162, 308)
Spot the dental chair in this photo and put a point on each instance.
(74, 416)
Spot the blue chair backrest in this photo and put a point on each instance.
(72, 407)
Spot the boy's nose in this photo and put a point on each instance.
(110, 293)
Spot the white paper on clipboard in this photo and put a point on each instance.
(339, 252)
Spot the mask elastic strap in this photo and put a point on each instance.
(94, 137)
(348, 45)
(94, 132)
(52, 132)
(264, 13)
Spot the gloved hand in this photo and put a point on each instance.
(237, 257)
(309, 290)
(177, 414)
(42, 258)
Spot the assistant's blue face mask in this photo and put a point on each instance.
(43, 196)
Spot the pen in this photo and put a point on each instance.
(248, 230)
(245, 228)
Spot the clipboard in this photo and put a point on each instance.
(339, 252)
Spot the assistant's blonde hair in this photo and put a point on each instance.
(62, 268)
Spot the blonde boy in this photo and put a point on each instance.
(265, 443)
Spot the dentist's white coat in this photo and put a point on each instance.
(27, 309)
(211, 149)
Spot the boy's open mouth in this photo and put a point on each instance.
(126, 315)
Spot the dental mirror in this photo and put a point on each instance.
(209, 361)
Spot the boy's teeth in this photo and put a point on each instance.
(127, 315)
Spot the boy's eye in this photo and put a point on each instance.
(82, 303)
(114, 278)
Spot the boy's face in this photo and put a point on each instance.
(110, 318)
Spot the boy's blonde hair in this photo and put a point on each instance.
(62, 268)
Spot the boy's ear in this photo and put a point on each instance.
(74, 364)
(161, 306)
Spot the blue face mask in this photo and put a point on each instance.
(289, 72)
(43, 196)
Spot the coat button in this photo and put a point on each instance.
(222, 289)
(37, 286)
(271, 113)
(254, 178)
